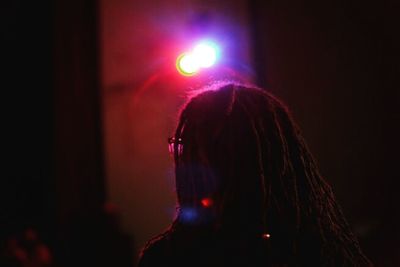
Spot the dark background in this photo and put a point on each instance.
(341, 81)
(336, 64)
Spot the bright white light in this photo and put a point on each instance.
(188, 64)
(205, 54)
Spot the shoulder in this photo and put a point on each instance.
(154, 252)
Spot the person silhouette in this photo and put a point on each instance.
(248, 190)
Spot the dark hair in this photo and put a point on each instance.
(239, 148)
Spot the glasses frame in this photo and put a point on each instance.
(172, 143)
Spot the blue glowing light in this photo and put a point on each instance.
(188, 215)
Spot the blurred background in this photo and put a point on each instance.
(90, 94)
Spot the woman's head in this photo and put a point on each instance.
(240, 150)
(232, 144)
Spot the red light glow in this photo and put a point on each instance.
(206, 202)
(266, 236)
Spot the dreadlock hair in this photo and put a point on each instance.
(239, 147)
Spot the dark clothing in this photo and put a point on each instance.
(205, 250)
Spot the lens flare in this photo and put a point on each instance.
(205, 54)
(187, 64)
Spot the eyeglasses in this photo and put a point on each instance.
(171, 145)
